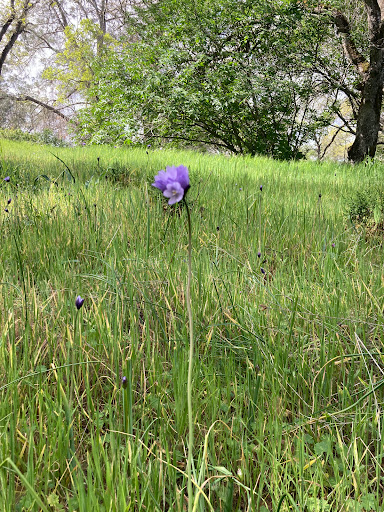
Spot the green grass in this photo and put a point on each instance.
(288, 372)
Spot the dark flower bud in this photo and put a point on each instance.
(259, 254)
(6, 210)
(261, 188)
(218, 228)
(79, 302)
(262, 270)
(124, 382)
(9, 201)
(319, 196)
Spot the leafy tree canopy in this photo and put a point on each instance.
(238, 75)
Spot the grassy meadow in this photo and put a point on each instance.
(287, 299)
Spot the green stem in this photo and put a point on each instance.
(190, 364)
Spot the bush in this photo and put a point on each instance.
(45, 137)
(366, 208)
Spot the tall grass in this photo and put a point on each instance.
(288, 369)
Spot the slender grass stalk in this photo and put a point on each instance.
(190, 363)
(127, 399)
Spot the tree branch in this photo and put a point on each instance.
(26, 97)
(344, 30)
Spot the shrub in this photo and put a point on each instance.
(366, 208)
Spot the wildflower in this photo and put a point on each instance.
(79, 302)
(218, 228)
(262, 270)
(6, 210)
(7, 179)
(9, 201)
(124, 382)
(259, 254)
(333, 245)
(319, 196)
(261, 188)
(174, 183)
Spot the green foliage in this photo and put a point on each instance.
(73, 69)
(366, 207)
(45, 137)
(236, 76)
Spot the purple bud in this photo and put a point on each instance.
(6, 210)
(9, 201)
(262, 270)
(333, 245)
(261, 188)
(124, 382)
(259, 254)
(149, 145)
(218, 228)
(79, 302)
(7, 179)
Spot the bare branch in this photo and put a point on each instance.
(26, 97)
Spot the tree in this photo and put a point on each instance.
(13, 23)
(371, 71)
(210, 72)
(363, 47)
(43, 34)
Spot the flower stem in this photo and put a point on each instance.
(190, 364)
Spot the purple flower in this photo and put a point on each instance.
(124, 382)
(174, 183)
(7, 179)
(262, 270)
(259, 254)
(79, 302)
(6, 210)
(9, 201)
(261, 188)
(333, 245)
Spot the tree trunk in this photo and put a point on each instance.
(372, 75)
(368, 117)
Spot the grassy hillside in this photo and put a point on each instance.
(287, 299)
